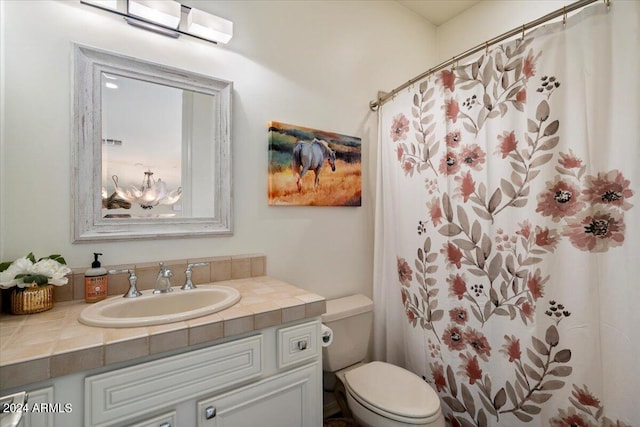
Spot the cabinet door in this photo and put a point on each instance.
(164, 420)
(291, 399)
(39, 398)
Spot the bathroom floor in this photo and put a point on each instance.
(339, 422)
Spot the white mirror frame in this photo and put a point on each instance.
(88, 224)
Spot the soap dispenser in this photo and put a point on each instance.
(95, 281)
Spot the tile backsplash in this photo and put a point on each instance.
(220, 268)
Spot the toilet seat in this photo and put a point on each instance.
(393, 392)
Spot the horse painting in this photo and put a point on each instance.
(311, 155)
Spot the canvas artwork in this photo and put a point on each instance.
(309, 167)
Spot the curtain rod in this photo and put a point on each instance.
(374, 105)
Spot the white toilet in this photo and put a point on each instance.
(378, 394)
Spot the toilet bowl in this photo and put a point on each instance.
(384, 395)
(378, 394)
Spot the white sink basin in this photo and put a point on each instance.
(149, 309)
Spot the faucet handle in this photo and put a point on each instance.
(133, 290)
(197, 264)
(188, 284)
(126, 270)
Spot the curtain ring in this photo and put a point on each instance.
(523, 32)
(608, 3)
(487, 48)
(453, 63)
(564, 15)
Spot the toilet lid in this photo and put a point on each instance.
(393, 389)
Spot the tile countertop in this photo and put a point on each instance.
(40, 346)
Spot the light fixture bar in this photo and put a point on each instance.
(163, 29)
(152, 26)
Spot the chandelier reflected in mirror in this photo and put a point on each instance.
(151, 193)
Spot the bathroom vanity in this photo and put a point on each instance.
(267, 372)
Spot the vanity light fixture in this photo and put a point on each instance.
(119, 5)
(162, 12)
(169, 18)
(209, 27)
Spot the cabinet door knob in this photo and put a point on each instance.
(209, 412)
(303, 344)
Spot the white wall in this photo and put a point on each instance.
(311, 63)
(486, 20)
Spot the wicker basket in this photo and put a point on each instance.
(33, 299)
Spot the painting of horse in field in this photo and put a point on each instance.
(309, 167)
(311, 156)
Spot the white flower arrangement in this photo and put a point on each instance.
(26, 271)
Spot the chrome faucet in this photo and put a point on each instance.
(189, 284)
(163, 281)
(133, 291)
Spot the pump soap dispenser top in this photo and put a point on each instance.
(95, 281)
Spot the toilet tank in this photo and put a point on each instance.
(350, 319)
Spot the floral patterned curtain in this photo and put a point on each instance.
(508, 228)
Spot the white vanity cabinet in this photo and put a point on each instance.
(270, 378)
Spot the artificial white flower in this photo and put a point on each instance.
(17, 267)
(52, 268)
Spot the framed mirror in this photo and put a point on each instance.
(152, 150)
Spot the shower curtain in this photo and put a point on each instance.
(507, 260)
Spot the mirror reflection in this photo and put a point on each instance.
(152, 150)
(148, 132)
